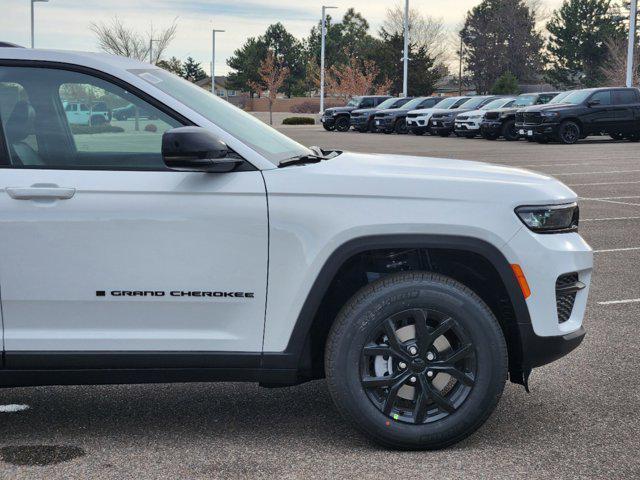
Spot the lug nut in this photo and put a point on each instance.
(430, 356)
(413, 379)
(413, 350)
(429, 374)
(402, 365)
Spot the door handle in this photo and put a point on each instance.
(35, 192)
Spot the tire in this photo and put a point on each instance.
(371, 127)
(444, 134)
(542, 140)
(400, 127)
(467, 330)
(509, 131)
(419, 131)
(617, 136)
(328, 128)
(342, 124)
(97, 120)
(634, 137)
(569, 132)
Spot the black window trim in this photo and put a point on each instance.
(5, 159)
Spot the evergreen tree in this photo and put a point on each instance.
(173, 65)
(506, 84)
(289, 52)
(246, 65)
(579, 31)
(500, 36)
(192, 70)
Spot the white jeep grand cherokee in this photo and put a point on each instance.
(199, 244)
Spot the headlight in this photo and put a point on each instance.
(549, 114)
(550, 218)
(473, 117)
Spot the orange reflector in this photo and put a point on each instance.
(522, 281)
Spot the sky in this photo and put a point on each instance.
(64, 24)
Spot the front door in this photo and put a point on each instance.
(103, 248)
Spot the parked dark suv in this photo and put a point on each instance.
(502, 122)
(395, 120)
(593, 111)
(339, 118)
(362, 119)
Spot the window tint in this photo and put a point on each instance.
(367, 103)
(70, 120)
(625, 97)
(603, 97)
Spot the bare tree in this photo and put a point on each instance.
(272, 76)
(615, 67)
(116, 38)
(424, 31)
(356, 78)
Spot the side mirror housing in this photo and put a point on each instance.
(196, 149)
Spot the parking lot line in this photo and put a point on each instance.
(595, 173)
(610, 219)
(619, 302)
(600, 183)
(610, 250)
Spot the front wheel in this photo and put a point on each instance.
(617, 136)
(328, 128)
(400, 127)
(343, 124)
(416, 360)
(509, 131)
(569, 132)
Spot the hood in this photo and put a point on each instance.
(339, 110)
(390, 111)
(554, 106)
(470, 113)
(364, 111)
(396, 176)
(431, 110)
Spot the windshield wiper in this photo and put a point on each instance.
(300, 160)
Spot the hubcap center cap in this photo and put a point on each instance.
(418, 365)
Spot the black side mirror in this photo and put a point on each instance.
(196, 149)
(593, 103)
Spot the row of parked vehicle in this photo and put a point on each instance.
(565, 117)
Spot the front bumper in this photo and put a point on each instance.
(384, 124)
(328, 121)
(467, 127)
(418, 123)
(491, 127)
(441, 126)
(538, 351)
(547, 130)
(361, 121)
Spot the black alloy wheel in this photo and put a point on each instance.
(342, 124)
(634, 137)
(418, 366)
(509, 131)
(328, 128)
(569, 132)
(401, 126)
(617, 136)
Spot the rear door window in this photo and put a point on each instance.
(625, 97)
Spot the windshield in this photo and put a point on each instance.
(525, 100)
(498, 103)
(577, 97)
(354, 102)
(560, 97)
(387, 103)
(447, 102)
(270, 143)
(415, 103)
(474, 102)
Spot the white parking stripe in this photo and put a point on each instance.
(600, 183)
(619, 302)
(13, 408)
(608, 250)
(594, 173)
(610, 219)
(618, 202)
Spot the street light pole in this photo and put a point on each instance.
(322, 48)
(460, 69)
(213, 59)
(405, 83)
(32, 29)
(632, 41)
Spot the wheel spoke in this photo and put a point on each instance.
(420, 410)
(374, 350)
(458, 374)
(423, 336)
(394, 342)
(444, 327)
(377, 382)
(463, 352)
(437, 398)
(393, 392)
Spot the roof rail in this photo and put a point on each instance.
(9, 44)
